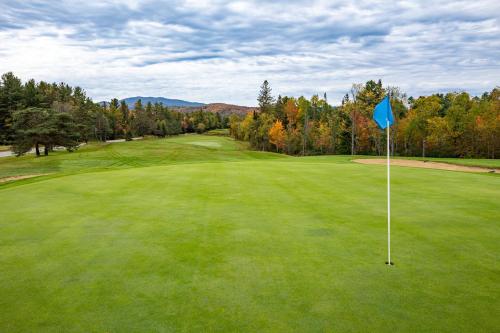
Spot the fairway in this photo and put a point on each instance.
(197, 233)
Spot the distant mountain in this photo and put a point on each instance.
(185, 106)
(222, 108)
(166, 102)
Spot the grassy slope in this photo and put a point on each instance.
(282, 244)
(141, 153)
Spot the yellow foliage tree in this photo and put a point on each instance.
(324, 140)
(277, 135)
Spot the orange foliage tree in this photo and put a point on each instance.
(291, 111)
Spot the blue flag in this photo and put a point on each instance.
(383, 113)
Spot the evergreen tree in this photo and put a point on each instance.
(279, 109)
(11, 99)
(30, 94)
(30, 130)
(265, 98)
(84, 116)
(61, 132)
(149, 109)
(138, 106)
(142, 124)
(114, 119)
(124, 111)
(38, 126)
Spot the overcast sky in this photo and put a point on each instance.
(221, 51)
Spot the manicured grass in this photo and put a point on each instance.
(141, 153)
(195, 233)
(220, 132)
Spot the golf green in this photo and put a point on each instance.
(196, 233)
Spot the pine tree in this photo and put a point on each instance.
(38, 126)
(30, 94)
(114, 116)
(125, 112)
(265, 98)
(11, 99)
(138, 106)
(29, 129)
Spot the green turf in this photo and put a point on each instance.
(219, 132)
(141, 153)
(196, 233)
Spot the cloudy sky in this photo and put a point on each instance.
(221, 51)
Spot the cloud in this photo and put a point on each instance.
(214, 51)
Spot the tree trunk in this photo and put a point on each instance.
(45, 150)
(305, 134)
(37, 149)
(333, 141)
(352, 133)
(423, 148)
(394, 143)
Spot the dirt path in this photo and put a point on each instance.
(8, 179)
(123, 140)
(9, 153)
(426, 165)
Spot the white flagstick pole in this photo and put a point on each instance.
(388, 199)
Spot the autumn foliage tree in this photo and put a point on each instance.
(441, 125)
(277, 135)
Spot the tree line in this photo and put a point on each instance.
(440, 125)
(35, 114)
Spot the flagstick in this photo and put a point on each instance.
(388, 199)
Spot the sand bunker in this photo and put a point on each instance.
(426, 165)
(8, 179)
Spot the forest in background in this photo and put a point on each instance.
(35, 114)
(440, 125)
(41, 114)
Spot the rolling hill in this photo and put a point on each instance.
(186, 106)
(222, 108)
